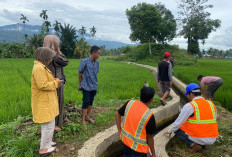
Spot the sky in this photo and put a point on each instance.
(109, 18)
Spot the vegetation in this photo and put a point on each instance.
(210, 67)
(141, 54)
(24, 19)
(196, 23)
(151, 23)
(114, 85)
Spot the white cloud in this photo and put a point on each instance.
(108, 16)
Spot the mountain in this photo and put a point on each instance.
(14, 33)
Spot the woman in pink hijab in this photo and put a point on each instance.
(56, 67)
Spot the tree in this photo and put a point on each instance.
(68, 40)
(151, 23)
(46, 24)
(196, 22)
(167, 26)
(35, 41)
(24, 19)
(82, 49)
(44, 15)
(56, 26)
(93, 31)
(82, 31)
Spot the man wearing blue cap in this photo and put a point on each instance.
(196, 124)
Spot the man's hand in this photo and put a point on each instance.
(167, 134)
(170, 83)
(79, 88)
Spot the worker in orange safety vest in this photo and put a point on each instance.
(196, 123)
(138, 127)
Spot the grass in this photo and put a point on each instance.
(118, 82)
(221, 148)
(210, 67)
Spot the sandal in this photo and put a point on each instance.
(57, 129)
(67, 120)
(90, 120)
(49, 151)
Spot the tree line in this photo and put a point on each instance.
(149, 23)
(68, 34)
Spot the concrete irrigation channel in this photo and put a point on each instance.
(107, 143)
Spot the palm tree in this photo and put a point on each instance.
(56, 26)
(82, 31)
(93, 31)
(47, 24)
(35, 41)
(68, 38)
(44, 15)
(24, 19)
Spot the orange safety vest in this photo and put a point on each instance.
(203, 124)
(133, 134)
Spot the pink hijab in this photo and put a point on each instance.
(52, 42)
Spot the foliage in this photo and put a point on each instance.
(35, 41)
(196, 22)
(24, 19)
(82, 49)
(93, 31)
(82, 31)
(151, 23)
(56, 26)
(140, 54)
(46, 24)
(68, 37)
(13, 50)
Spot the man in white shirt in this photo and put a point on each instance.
(196, 124)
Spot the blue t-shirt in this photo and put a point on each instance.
(89, 70)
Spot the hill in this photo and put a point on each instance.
(14, 33)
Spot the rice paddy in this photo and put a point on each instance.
(210, 67)
(118, 82)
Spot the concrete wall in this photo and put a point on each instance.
(96, 145)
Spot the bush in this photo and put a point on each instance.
(141, 53)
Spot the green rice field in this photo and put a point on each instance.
(210, 67)
(118, 82)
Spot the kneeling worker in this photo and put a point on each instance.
(196, 123)
(138, 127)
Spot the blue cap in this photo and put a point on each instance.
(191, 87)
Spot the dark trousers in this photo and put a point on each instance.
(184, 137)
(131, 153)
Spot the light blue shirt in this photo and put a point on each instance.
(89, 69)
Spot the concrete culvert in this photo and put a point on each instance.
(108, 143)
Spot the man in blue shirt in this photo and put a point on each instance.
(88, 83)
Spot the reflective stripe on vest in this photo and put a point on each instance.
(140, 127)
(198, 120)
(136, 139)
(127, 110)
